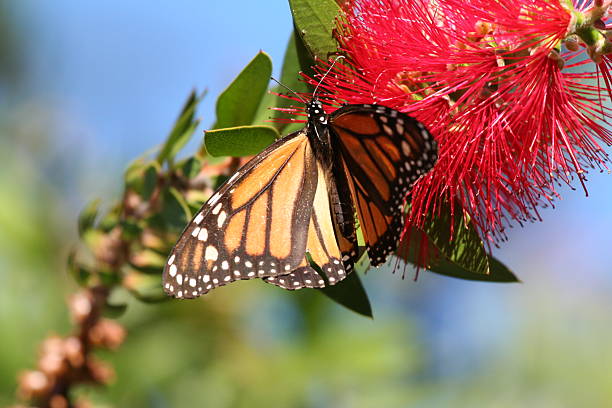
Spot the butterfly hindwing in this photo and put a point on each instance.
(382, 152)
(322, 246)
(255, 225)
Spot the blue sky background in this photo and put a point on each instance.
(117, 73)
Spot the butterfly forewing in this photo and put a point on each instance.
(382, 152)
(256, 225)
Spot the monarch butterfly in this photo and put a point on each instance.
(300, 196)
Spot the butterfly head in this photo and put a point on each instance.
(316, 113)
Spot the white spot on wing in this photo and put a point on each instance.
(233, 177)
(216, 210)
(221, 218)
(211, 253)
(198, 219)
(405, 148)
(214, 199)
(172, 270)
(203, 235)
(171, 260)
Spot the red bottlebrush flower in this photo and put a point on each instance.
(512, 110)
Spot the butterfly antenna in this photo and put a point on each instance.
(291, 90)
(314, 94)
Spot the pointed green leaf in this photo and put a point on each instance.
(239, 141)
(146, 288)
(175, 212)
(130, 229)
(87, 218)
(148, 261)
(80, 274)
(350, 293)
(315, 21)
(191, 167)
(149, 181)
(238, 104)
(292, 64)
(465, 249)
(290, 77)
(498, 272)
(183, 129)
(141, 178)
(265, 113)
(443, 265)
(114, 311)
(303, 55)
(110, 219)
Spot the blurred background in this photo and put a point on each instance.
(85, 87)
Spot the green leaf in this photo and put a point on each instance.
(292, 64)
(130, 229)
(442, 265)
(465, 249)
(146, 288)
(175, 212)
(184, 127)
(148, 261)
(80, 274)
(239, 141)
(264, 114)
(141, 177)
(315, 21)
(114, 311)
(110, 219)
(350, 293)
(498, 272)
(290, 77)
(149, 181)
(87, 217)
(238, 104)
(191, 167)
(304, 57)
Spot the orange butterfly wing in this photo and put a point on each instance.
(255, 225)
(383, 152)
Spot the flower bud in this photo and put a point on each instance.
(80, 305)
(33, 384)
(107, 334)
(73, 349)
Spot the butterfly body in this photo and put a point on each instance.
(300, 195)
